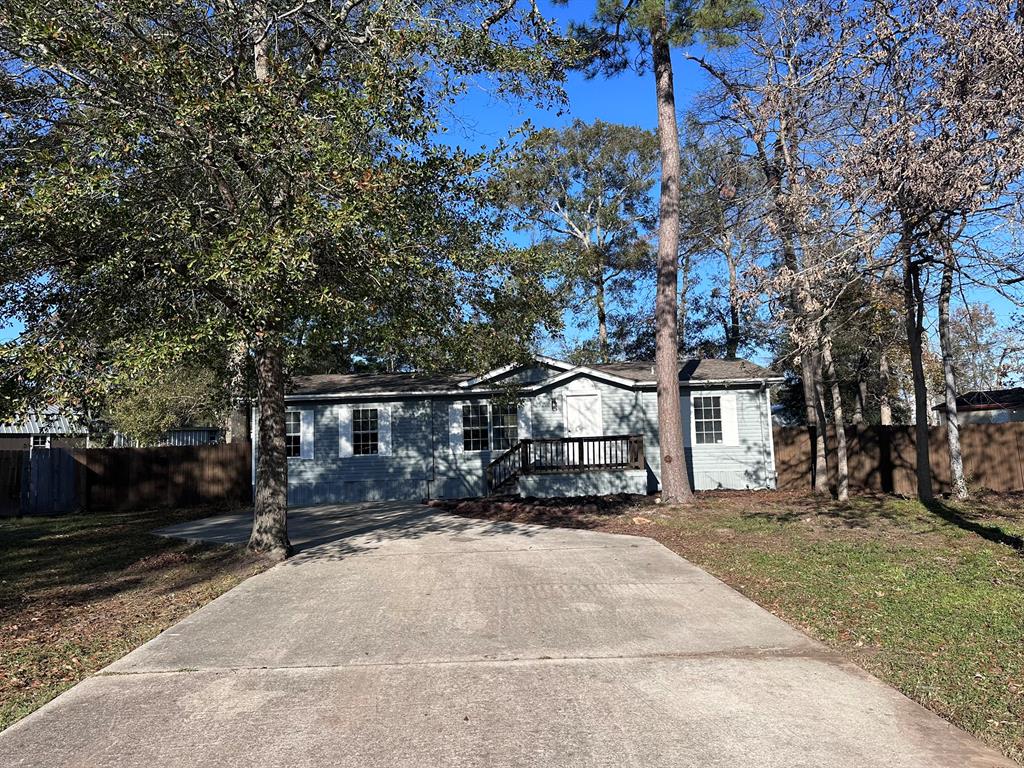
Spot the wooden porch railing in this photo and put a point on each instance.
(566, 455)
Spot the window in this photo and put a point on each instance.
(475, 428)
(505, 426)
(38, 441)
(293, 434)
(365, 432)
(707, 420)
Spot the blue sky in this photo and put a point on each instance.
(482, 120)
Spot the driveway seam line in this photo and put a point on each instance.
(779, 652)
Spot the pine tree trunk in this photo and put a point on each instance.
(684, 292)
(956, 460)
(270, 511)
(842, 466)
(913, 305)
(675, 483)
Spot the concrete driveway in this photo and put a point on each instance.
(400, 636)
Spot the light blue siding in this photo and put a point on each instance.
(424, 463)
(584, 484)
(749, 464)
(328, 478)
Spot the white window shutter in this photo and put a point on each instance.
(344, 432)
(384, 431)
(693, 424)
(730, 426)
(524, 420)
(455, 427)
(306, 435)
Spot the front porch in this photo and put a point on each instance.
(569, 466)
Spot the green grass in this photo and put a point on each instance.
(929, 600)
(79, 591)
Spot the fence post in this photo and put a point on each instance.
(524, 457)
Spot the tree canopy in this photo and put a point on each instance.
(177, 173)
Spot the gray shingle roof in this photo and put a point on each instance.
(353, 383)
(693, 370)
(371, 383)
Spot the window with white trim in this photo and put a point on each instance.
(707, 420)
(475, 428)
(365, 431)
(293, 434)
(504, 426)
(39, 441)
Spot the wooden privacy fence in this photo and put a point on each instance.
(57, 480)
(11, 469)
(885, 459)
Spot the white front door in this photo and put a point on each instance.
(583, 415)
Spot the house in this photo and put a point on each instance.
(48, 428)
(547, 428)
(182, 436)
(987, 406)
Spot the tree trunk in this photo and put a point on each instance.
(732, 333)
(817, 385)
(675, 483)
(860, 402)
(684, 292)
(239, 423)
(913, 305)
(884, 399)
(842, 466)
(799, 316)
(270, 511)
(602, 316)
(956, 460)
(819, 471)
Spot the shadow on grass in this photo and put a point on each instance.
(861, 512)
(991, 533)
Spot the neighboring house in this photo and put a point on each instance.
(183, 436)
(570, 430)
(987, 406)
(47, 429)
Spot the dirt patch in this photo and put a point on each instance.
(79, 591)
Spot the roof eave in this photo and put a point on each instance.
(527, 389)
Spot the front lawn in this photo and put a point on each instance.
(79, 591)
(929, 600)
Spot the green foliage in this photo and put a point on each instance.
(609, 44)
(174, 398)
(178, 176)
(585, 190)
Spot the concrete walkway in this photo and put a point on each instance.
(405, 638)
